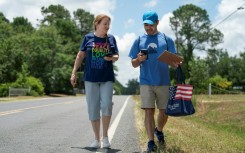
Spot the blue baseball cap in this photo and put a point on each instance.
(150, 17)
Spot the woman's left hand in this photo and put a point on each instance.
(113, 58)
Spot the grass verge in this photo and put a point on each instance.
(218, 126)
(21, 98)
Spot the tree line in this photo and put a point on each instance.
(42, 57)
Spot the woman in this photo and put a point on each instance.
(100, 50)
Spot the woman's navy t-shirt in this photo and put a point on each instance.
(96, 68)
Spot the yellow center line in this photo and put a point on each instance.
(9, 112)
(23, 109)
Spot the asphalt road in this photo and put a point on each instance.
(61, 125)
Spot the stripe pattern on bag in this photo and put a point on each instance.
(183, 92)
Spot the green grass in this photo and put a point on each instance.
(225, 116)
(218, 126)
(220, 98)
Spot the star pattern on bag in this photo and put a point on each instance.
(172, 91)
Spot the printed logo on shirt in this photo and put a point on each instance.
(98, 52)
(152, 48)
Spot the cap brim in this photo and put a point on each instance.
(148, 22)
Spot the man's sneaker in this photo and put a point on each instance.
(95, 144)
(106, 143)
(151, 146)
(160, 136)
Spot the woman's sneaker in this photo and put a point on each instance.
(106, 143)
(160, 136)
(95, 144)
(151, 146)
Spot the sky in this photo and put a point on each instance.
(126, 24)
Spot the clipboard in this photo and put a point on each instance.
(170, 58)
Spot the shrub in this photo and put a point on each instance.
(36, 86)
(4, 88)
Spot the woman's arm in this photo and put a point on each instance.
(79, 59)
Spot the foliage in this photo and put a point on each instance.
(132, 87)
(26, 81)
(37, 88)
(199, 76)
(119, 88)
(60, 82)
(53, 13)
(236, 73)
(232, 68)
(22, 77)
(3, 18)
(84, 20)
(50, 49)
(212, 60)
(22, 25)
(6, 30)
(193, 31)
(4, 88)
(220, 82)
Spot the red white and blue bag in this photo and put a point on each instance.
(179, 103)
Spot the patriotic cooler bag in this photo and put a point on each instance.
(179, 103)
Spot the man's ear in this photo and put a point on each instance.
(157, 21)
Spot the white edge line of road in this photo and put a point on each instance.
(115, 123)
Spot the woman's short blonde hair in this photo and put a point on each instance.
(98, 19)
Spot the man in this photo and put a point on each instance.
(154, 76)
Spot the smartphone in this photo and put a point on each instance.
(144, 52)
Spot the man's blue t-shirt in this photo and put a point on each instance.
(96, 68)
(152, 71)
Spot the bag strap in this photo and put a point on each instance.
(139, 47)
(139, 43)
(179, 75)
(165, 40)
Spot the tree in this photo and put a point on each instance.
(3, 18)
(132, 87)
(11, 59)
(119, 88)
(193, 32)
(49, 51)
(199, 75)
(58, 16)
(224, 64)
(24, 80)
(44, 46)
(22, 77)
(236, 71)
(213, 58)
(22, 25)
(84, 20)
(53, 13)
(6, 31)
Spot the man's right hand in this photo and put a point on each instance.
(141, 57)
